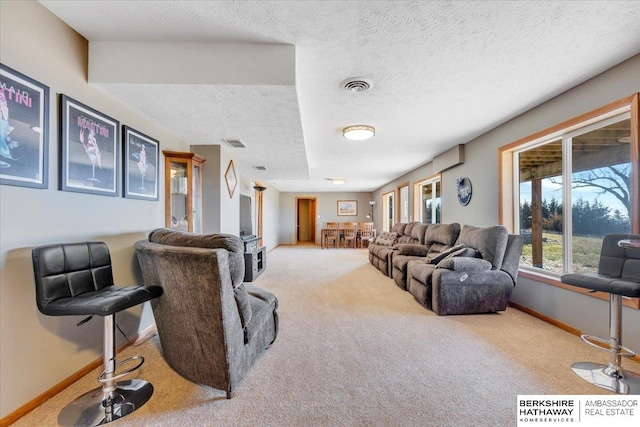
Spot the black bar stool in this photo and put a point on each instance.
(619, 275)
(76, 279)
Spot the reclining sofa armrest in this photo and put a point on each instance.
(413, 250)
(464, 264)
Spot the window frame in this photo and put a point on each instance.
(386, 226)
(417, 196)
(508, 182)
(398, 211)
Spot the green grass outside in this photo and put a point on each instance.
(586, 253)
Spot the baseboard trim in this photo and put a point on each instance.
(557, 323)
(14, 416)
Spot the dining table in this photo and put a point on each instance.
(324, 232)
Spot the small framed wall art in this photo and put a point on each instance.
(24, 130)
(231, 179)
(141, 172)
(464, 190)
(90, 150)
(347, 207)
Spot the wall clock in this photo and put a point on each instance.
(464, 190)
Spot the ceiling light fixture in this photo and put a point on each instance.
(359, 132)
(337, 181)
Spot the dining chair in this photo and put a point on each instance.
(348, 234)
(366, 234)
(331, 234)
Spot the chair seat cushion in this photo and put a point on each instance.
(106, 301)
(598, 282)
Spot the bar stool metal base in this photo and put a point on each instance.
(608, 377)
(90, 409)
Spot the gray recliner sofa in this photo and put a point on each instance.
(212, 326)
(477, 275)
(438, 239)
(380, 256)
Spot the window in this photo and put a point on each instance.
(427, 207)
(403, 202)
(388, 211)
(565, 188)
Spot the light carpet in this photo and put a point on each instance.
(355, 350)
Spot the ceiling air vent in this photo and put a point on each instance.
(260, 168)
(356, 84)
(234, 143)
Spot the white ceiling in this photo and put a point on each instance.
(444, 72)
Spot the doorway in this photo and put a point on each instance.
(306, 221)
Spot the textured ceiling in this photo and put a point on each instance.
(443, 73)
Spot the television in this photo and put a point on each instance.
(246, 217)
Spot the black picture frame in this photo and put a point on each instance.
(24, 130)
(89, 150)
(141, 156)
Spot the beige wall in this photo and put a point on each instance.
(37, 351)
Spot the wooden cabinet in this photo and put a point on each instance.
(183, 190)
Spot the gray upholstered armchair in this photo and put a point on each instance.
(212, 327)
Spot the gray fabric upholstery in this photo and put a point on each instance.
(198, 319)
(512, 255)
(480, 292)
(399, 228)
(491, 242)
(418, 233)
(419, 281)
(618, 269)
(464, 264)
(412, 249)
(440, 237)
(458, 282)
(231, 243)
(380, 255)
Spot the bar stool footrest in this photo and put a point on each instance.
(592, 340)
(102, 377)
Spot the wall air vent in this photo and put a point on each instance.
(234, 143)
(356, 84)
(260, 168)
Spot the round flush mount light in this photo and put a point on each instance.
(359, 132)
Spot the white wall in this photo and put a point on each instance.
(37, 351)
(327, 210)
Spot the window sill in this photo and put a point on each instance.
(554, 280)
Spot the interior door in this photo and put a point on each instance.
(305, 220)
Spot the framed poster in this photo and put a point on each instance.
(231, 179)
(140, 164)
(24, 130)
(90, 150)
(347, 207)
